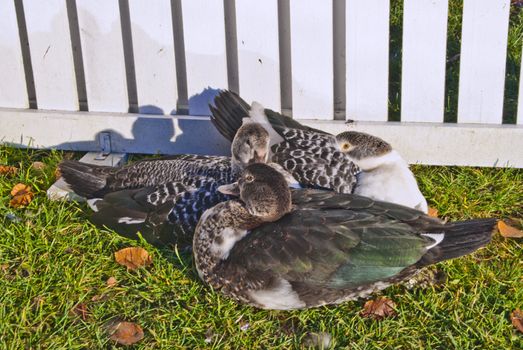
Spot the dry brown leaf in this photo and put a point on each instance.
(111, 282)
(38, 165)
(22, 195)
(508, 231)
(81, 311)
(379, 308)
(125, 333)
(133, 257)
(517, 319)
(8, 170)
(433, 212)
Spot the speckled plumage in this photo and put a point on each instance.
(308, 154)
(159, 197)
(327, 248)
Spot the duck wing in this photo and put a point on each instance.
(229, 110)
(92, 181)
(164, 214)
(334, 245)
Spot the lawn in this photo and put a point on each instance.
(52, 259)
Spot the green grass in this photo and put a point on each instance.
(53, 258)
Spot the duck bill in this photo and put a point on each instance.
(231, 189)
(259, 158)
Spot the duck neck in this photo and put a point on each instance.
(236, 168)
(216, 234)
(370, 164)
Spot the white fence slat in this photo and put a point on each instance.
(258, 51)
(424, 60)
(312, 59)
(205, 55)
(51, 54)
(367, 52)
(102, 50)
(153, 47)
(13, 91)
(483, 56)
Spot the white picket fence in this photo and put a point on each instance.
(137, 75)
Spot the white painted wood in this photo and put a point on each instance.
(51, 54)
(449, 144)
(154, 61)
(13, 91)
(483, 56)
(102, 50)
(424, 60)
(312, 59)
(367, 52)
(130, 133)
(60, 190)
(258, 51)
(204, 36)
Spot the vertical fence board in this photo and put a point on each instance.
(258, 51)
(483, 56)
(13, 91)
(312, 59)
(155, 65)
(51, 54)
(204, 37)
(423, 62)
(367, 51)
(102, 49)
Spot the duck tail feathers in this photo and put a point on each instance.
(84, 179)
(460, 238)
(228, 112)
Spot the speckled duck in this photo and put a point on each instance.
(351, 162)
(276, 248)
(160, 196)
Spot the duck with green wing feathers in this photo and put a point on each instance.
(277, 248)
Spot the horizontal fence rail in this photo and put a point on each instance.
(142, 71)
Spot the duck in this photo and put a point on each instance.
(278, 248)
(350, 162)
(163, 198)
(384, 174)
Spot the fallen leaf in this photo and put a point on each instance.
(517, 319)
(317, 340)
(57, 174)
(22, 195)
(379, 308)
(508, 231)
(8, 170)
(111, 282)
(133, 257)
(125, 333)
(38, 165)
(81, 311)
(433, 212)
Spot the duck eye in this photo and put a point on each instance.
(249, 178)
(345, 146)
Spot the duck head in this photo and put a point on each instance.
(366, 151)
(263, 190)
(250, 145)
